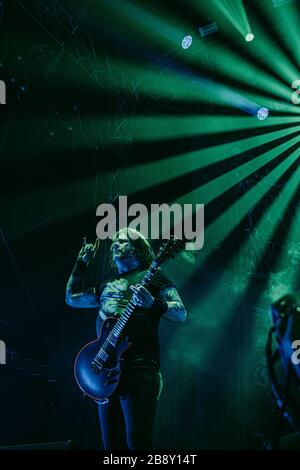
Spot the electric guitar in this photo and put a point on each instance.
(97, 365)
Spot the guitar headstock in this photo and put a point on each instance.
(169, 249)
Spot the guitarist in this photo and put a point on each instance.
(127, 416)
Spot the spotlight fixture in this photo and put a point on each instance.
(262, 114)
(249, 37)
(208, 29)
(186, 42)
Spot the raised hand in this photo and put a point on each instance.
(88, 250)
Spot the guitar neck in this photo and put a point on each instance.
(130, 307)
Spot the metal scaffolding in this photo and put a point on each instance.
(63, 29)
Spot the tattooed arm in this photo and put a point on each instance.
(77, 295)
(176, 310)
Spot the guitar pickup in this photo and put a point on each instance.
(95, 368)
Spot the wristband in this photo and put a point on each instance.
(80, 268)
(160, 305)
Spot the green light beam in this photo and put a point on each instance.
(272, 55)
(235, 13)
(167, 169)
(265, 229)
(287, 21)
(141, 19)
(222, 227)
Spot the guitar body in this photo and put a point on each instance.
(99, 379)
